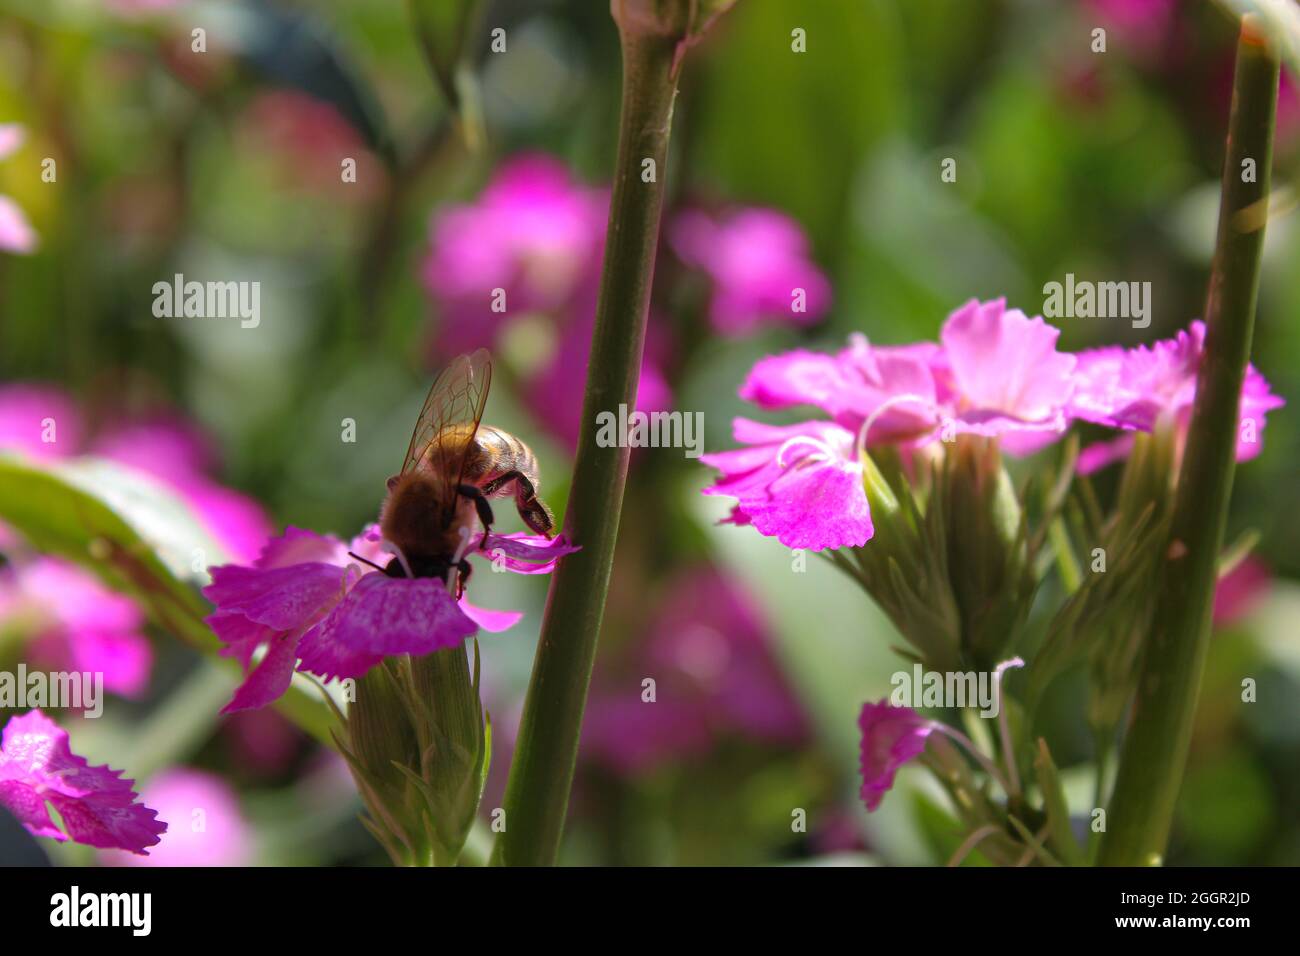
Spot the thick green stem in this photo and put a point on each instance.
(542, 770)
(1155, 750)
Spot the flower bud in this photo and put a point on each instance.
(417, 747)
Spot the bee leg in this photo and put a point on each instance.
(475, 494)
(464, 567)
(531, 508)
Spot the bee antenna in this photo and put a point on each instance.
(353, 554)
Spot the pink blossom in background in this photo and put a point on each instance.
(39, 421)
(554, 394)
(204, 823)
(537, 234)
(177, 454)
(312, 138)
(312, 608)
(1143, 24)
(891, 736)
(97, 807)
(16, 233)
(76, 623)
(138, 8)
(1240, 590)
(263, 742)
(73, 619)
(1134, 389)
(164, 446)
(755, 260)
(534, 232)
(710, 653)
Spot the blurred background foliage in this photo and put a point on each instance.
(226, 165)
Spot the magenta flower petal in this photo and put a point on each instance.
(494, 622)
(801, 484)
(895, 383)
(96, 805)
(383, 616)
(300, 546)
(891, 736)
(1133, 389)
(1007, 376)
(281, 598)
(205, 826)
(527, 553)
(271, 677)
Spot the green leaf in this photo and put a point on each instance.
(72, 512)
(59, 518)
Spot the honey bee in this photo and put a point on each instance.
(453, 466)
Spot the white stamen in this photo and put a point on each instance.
(823, 452)
(861, 443)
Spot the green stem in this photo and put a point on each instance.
(1155, 750)
(542, 770)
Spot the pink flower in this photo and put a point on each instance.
(312, 608)
(16, 233)
(758, 261)
(204, 824)
(801, 484)
(534, 233)
(997, 374)
(76, 623)
(891, 736)
(97, 807)
(1133, 389)
(709, 652)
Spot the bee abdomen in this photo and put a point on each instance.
(501, 452)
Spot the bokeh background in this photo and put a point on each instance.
(226, 165)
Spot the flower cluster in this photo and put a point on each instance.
(308, 604)
(994, 373)
(523, 263)
(97, 807)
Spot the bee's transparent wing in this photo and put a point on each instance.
(450, 417)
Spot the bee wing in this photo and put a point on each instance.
(450, 417)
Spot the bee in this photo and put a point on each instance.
(453, 466)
